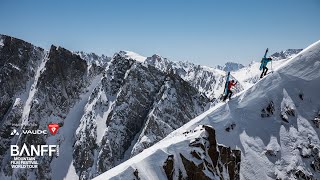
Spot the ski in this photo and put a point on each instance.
(265, 56)
(226, 85)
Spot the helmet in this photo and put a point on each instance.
(232, 81)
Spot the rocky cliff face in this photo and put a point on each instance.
(135, 106)
(208, 160)
(37, 86)
(18, 64)
(96, 64)
(55, 84)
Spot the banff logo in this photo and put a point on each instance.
(53, 128)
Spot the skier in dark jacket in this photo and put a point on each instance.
(229, 92)
(264, 63)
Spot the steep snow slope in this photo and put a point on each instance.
(62, 166)
(249, 75)
(275, 124)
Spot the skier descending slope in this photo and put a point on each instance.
(229, 92)
(264, 63)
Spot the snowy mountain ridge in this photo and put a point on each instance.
(94, 100)
(93, 58)
(275, 125)
(287, 54)
(207, 80)
(132, 55)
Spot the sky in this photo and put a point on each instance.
(206, 32)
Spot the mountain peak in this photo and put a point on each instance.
(230, 66)
(132, 55)
(285, 54)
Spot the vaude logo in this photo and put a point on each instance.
(25, 131)
(14, 132)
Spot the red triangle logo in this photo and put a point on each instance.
(53, 128)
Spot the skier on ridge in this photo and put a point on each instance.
(229, 92)
(264, 63)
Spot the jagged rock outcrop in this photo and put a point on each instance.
(93, 58)
(168, 167)
(268, 111)
(96, 63)
(208, 160)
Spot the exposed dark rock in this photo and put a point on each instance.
(197, 143)
(169, 167)
(315, 164)
(316, 120)
(287, 112)
(268, 111)
(270, 153)
(301, 175)
(217, 158)
(301, 96)
(231, 127)
(195, 154)
(230, 158)
(284, 118)
(193, 171)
